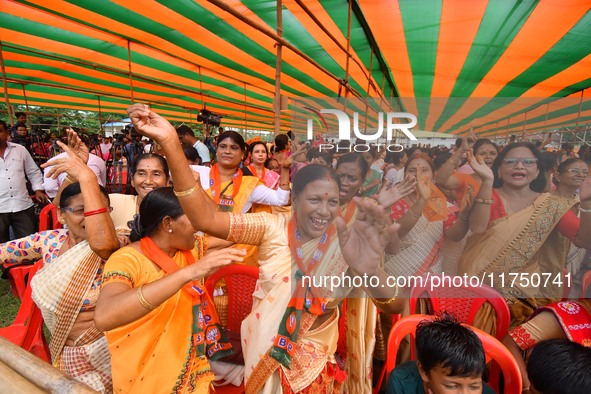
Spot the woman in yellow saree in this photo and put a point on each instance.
(290, 336)
(518, 230)
(160, 322)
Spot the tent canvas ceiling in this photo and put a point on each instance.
(499, 66)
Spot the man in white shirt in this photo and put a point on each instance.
(16, 206)
(96, 164)
(187, 137)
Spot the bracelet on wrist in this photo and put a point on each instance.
(188, 192)
(96, 211)
(389, 301)
(142, 300)
(483, 200)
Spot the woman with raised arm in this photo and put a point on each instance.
(67, 287)
(159, 320)
(462, 183)
(521, 232)
(427, 221)
(290, 337)
(360, 313)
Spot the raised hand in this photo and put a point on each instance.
(286, 163)
(362, 246)
(78, 147)
(72, 165)
(479, 167)
(390, 194)
(423, 185)
(150, 124)
(472, 137)
(215, 259)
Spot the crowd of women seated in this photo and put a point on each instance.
(122, 287)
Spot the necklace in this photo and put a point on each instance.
(508, 206)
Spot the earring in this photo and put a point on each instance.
(170, 231)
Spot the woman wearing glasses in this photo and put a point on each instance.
(568, 178)
(67, 287)
(521, 234)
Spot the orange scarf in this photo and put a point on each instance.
(285, 343)
(208, 334)
(254, 171)
(215, 184)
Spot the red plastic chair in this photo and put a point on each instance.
(19, 277)
(48, 219)
(240, 283)
(586, 285)
(463, 302)
(27, 329)
(494, 350)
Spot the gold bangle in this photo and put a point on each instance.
(391, 300)
(483, 201)
(186, 193)
(69, 179)
(414, 214)
(142, 300)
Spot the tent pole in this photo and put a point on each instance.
(523, 129)
(546, 119)
(277, 101)
(245, 124)
(129, 67)
(26, 106)
(100, 115)
(201, 88)
(578, 117)
(8, 107)
(368, 87)
(348, 52)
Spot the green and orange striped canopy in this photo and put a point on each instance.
(497, 66)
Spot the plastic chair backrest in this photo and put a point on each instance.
(26, 330)
(494, 350)
(19, 277)
(586, 285)
(240, 284)
(464, 302)
(48, 219)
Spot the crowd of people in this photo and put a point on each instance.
(122, 290)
